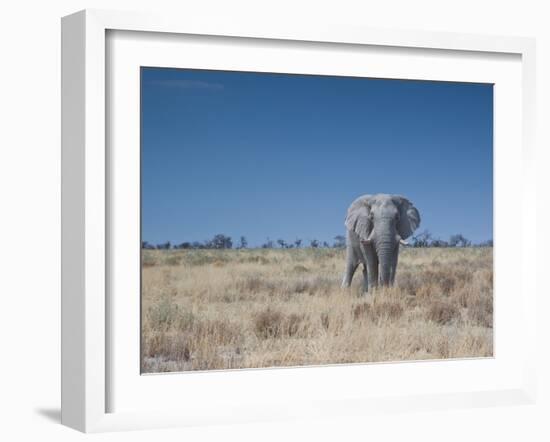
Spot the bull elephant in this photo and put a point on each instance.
(376, 226)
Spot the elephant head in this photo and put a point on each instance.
(377, 225)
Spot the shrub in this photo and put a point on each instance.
(255, 259)
(268, 324)
(299, 286)
(325, 320)
(273, 324)
(360, 310)
(318, 285)
(163, 314)
(385, 309)
(199, 258)
(173, 260)
(480, 312)
(442, 347)
(252, 284)
(408, 283)
(443, 312)
(292, 324)
(222, 331)
(378, 311)
(442, 279)
(186, 320)
(148, 260)
(462, 297)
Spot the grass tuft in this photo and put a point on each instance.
(268, 324)
(443, 312)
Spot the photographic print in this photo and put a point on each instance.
(299, 220)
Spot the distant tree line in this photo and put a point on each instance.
(220, 241)
(425, 239)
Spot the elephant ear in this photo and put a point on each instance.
(409, 218)
(358, 218)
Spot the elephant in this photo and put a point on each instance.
(376, 226)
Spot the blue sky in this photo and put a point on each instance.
(282, 156)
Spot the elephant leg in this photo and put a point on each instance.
(394, 265)
(373, 268)
(365, 279)
(351, 266)
(370, 267)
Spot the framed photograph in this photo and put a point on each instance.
(267, 222)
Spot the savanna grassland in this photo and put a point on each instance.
(226, 309)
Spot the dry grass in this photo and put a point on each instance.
(207, 309)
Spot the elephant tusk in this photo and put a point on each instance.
(368, 240)
(401, 240)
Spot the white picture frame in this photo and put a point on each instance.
(86, 203)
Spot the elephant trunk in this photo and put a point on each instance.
(385, 249)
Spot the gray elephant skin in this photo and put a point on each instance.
(376, 226)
